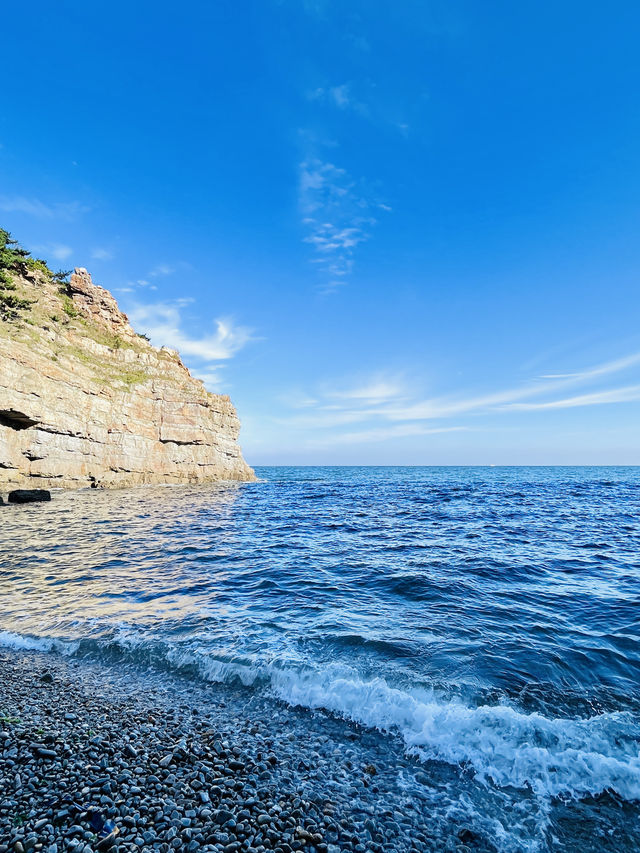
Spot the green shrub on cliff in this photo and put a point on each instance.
(62, 277)
(13, 258)
(10, 250)
(38, 264)
(11, 305)
(16, 260)
(67, 304)
(7, 260)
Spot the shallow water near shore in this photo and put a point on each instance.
(488, 618)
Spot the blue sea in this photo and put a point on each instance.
(489, 617)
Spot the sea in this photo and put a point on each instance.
(487, 617)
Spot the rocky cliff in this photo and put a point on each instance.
(84, 400)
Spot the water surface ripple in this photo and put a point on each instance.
(491, 617)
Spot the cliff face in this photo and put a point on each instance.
(84, 400)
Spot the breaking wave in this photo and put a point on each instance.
(503, 745)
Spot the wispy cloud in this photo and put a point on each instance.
(164, 324)
(340, 96)
(599, 369)
(211, 376)
(337, 215)
(510, 398)
(141, 282)
(101, 254)
(377, 390)
(386, 407)
(61, 252)
(628, 394)
(161, 270)
(38, 208)
(366, 99)
(58, 251)
(389, 433)
(322, 417)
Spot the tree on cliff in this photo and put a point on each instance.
(13, 259)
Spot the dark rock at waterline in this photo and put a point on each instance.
(468, 836)
(107, 842)
(26, 496)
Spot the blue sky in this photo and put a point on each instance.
(394, 233)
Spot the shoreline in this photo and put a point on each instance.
(97, 757)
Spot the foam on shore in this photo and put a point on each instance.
(505, 747)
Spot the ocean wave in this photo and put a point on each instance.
(503, 746)
(551, 756)
(12, 640)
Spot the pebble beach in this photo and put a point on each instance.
(168, 766)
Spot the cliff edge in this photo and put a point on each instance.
(84, 400)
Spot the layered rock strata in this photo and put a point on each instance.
(84, 400)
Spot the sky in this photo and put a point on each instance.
(393, 233)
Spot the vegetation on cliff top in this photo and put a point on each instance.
(37, 305)
(15, 260)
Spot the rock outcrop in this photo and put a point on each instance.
(29, 496)
(84, 400)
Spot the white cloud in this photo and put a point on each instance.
(328, 238)
(322, 419)
(599, 369)
(297, 400)
(210, 376)
(386, 408)
(390, 433)
(60, 252)
(101, 254)
(627, 394)
(338, 96)
(163, 323)
(37, 207)
(376, 390)
(442, 407)
(508, 398)
(343, 97)
(161, 270)
(392, 401)
(322, 184)
(337, 216)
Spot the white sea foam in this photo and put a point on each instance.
(12, 640)
(504, 746)
(212, 669)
